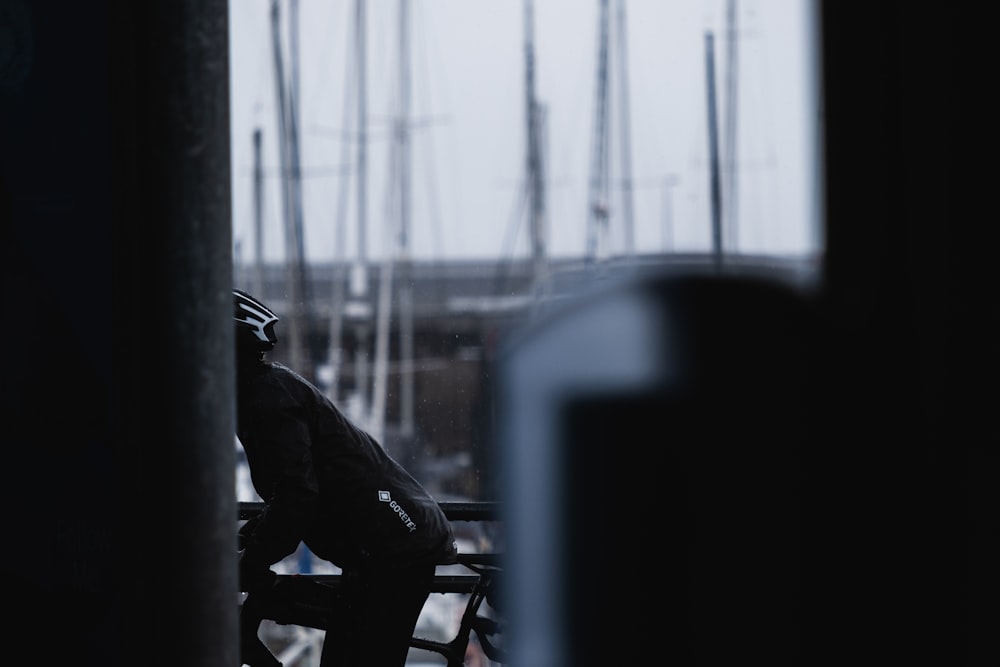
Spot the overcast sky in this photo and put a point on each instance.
(467, 113)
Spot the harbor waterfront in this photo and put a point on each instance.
(455, 315)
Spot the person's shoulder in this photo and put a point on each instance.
(276, 369)
(277, 375)
(275, 386)
(269, 374)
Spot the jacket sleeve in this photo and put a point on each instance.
(280, 454)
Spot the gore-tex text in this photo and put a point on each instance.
(403, 516)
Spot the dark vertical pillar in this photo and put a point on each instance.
(57, 542)
(118, 537)
(174, 419)
(909, 557)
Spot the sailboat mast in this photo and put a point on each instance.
(624, 115)
(406, 396)
(362, 121)
(291, 242)
(258, 214)
(730, 200)
(349, 269)
(536, 177)
(397, 256)
(359, 269)
(713, 149)
(301, 306)
(598, 204)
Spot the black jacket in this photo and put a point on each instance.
(326, 482)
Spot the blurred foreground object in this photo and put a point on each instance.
(653, 438)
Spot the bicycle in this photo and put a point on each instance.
(305, 600)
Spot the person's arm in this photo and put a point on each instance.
(283, 446)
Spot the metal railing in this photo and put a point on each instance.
(480, 588)
(454, 510)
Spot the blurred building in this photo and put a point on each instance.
(458, 313)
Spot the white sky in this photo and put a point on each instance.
(468, 113)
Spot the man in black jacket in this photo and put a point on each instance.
(328, 484)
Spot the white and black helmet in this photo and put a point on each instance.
(254, 323)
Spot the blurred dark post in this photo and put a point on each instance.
(119, 540)
(655, 438)
(912, 558)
